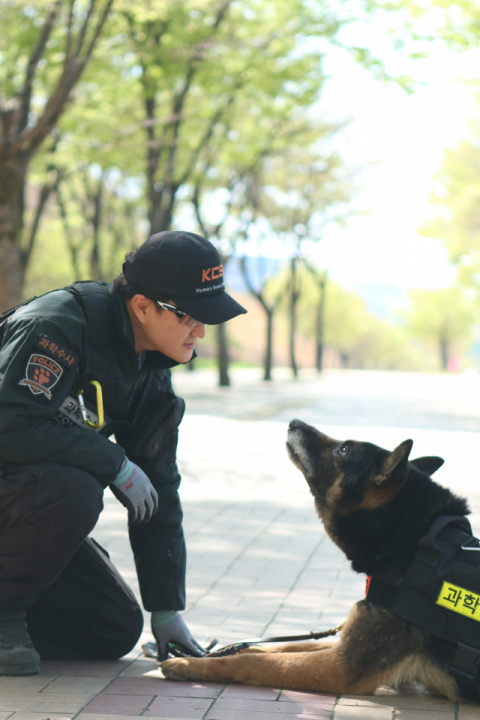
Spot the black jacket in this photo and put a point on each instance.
(52, 347)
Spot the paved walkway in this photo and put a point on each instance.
(259, 560)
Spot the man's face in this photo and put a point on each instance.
(162, 331)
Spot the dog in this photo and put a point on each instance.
(375, 505)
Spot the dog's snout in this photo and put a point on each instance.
(295, 423)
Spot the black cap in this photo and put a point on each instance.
(186, 268)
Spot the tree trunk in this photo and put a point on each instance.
(269, 346)
(222, 347)
(12, 262)
(293, 316)
(321, 322)
(444, 354)
(96, 272)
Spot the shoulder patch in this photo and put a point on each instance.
(56, 351)
(41, 374)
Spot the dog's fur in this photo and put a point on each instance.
(375, 505)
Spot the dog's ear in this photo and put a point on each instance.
(429, 464)
(394, 468)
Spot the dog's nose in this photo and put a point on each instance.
(295, 423)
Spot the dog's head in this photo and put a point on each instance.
(349, 476)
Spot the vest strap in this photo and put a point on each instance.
(465, 667)
(98, 309)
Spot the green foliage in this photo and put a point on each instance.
(443, 319)
(306, 188)
(50, 265)
(456, 21)
(350, 328)
(446, 315)
(456, 202)
(210, 74)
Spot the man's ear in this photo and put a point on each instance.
(140, 305)
(428, 464)
(394, 468)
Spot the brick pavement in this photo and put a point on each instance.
(258, 559)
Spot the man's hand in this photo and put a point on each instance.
(135, 491)
(170, 627)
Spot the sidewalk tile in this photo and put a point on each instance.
(118, 704)
(44, 699)
(250, 692)
(33, 683)
(240, 715)
(178, 707)
(370, 701)
(169, 688)
(426, 715)
(124, 717)
(425, 703)
(39, 716)
(5, 715)
(73, 667)
(78, 684)
(407, 701)
(297, 696)
(468, 709)
(141, 667)
(351, 712)
(41, 707)
(271, 707)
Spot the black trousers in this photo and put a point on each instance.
(78, 607)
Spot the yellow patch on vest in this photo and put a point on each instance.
(459, 600)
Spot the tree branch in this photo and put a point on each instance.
(206, 137)
(179, 102)
(56, 103)
(69, 41)
(198, 214)
(84, 28)
(99, 28)
(35, 58)
(44, 196)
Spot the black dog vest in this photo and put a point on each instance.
(441, 594)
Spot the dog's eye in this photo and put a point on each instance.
(342, 450)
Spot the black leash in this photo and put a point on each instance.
(244, 644)
(178, 650)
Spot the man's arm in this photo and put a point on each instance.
(39, 362)
(159, 545)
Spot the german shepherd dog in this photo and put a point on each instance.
(375, 505)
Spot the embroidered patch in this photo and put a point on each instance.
(58, 352)
(460, 600)
(41, 374)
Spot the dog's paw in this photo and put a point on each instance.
(178, 669)
(173, 670)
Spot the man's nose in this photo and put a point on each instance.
(200, 331)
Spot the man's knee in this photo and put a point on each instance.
(127, 635)
(73, 494)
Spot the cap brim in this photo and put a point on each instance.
(211, 310)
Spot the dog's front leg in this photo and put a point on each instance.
(291, 648)
(320, 672)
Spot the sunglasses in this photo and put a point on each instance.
(182, 316)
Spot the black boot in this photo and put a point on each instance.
(17, 654)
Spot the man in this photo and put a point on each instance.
(77, 366)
